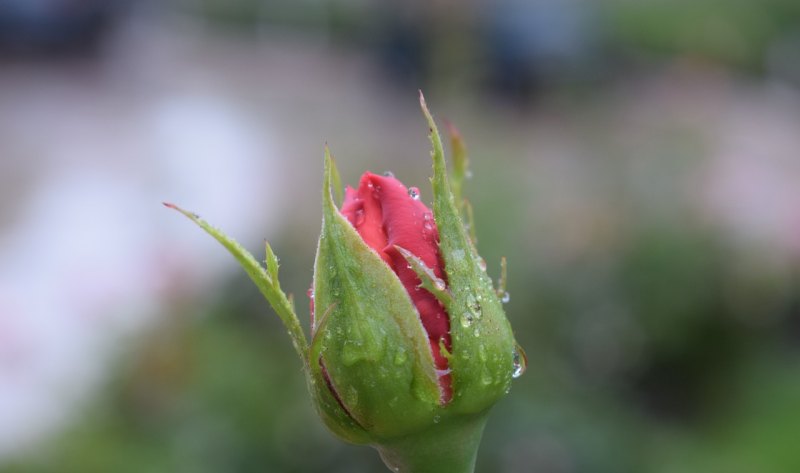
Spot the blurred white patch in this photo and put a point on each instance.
(753, 181)
(92, 255)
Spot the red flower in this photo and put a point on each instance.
(387, 214)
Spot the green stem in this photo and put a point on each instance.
(449, 447)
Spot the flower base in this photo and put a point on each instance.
(449, 447)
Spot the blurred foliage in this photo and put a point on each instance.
(738, 32)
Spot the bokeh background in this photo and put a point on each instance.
(638, 162)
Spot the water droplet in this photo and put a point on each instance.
(439, 284)
(467, 319)
(505, 298)
(482, 353)
(436, 419)
(310, 293)
(352, 397)
(486, 377)
(520, 362)
(359, 217)
(474, 306)
(388, 174)
(356, 349)
(427, 223)
(476, 332)
(400, 357)
(413, 192)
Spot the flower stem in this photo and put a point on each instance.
(449, 447)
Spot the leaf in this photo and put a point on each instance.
(266, 282)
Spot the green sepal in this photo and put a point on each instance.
(373, 344)
(460, 163)
(502, 282)
(336, 180)
(445, 447)
(427, 277)
(335, 417)
(265, 279)
(482, 341)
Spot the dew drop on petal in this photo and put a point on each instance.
(413, 192)
(359, 217)
(388, 174)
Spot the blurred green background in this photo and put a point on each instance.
(637, 162)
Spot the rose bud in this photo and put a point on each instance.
(410, 346)
(409, 337)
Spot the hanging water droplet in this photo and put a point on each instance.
(413, 192)
(520, 362)
(388, 174)
(505, 297)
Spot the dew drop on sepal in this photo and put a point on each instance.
(439, 284)
(520, 362)
(474, 305)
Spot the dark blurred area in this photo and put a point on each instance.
(637, 162)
